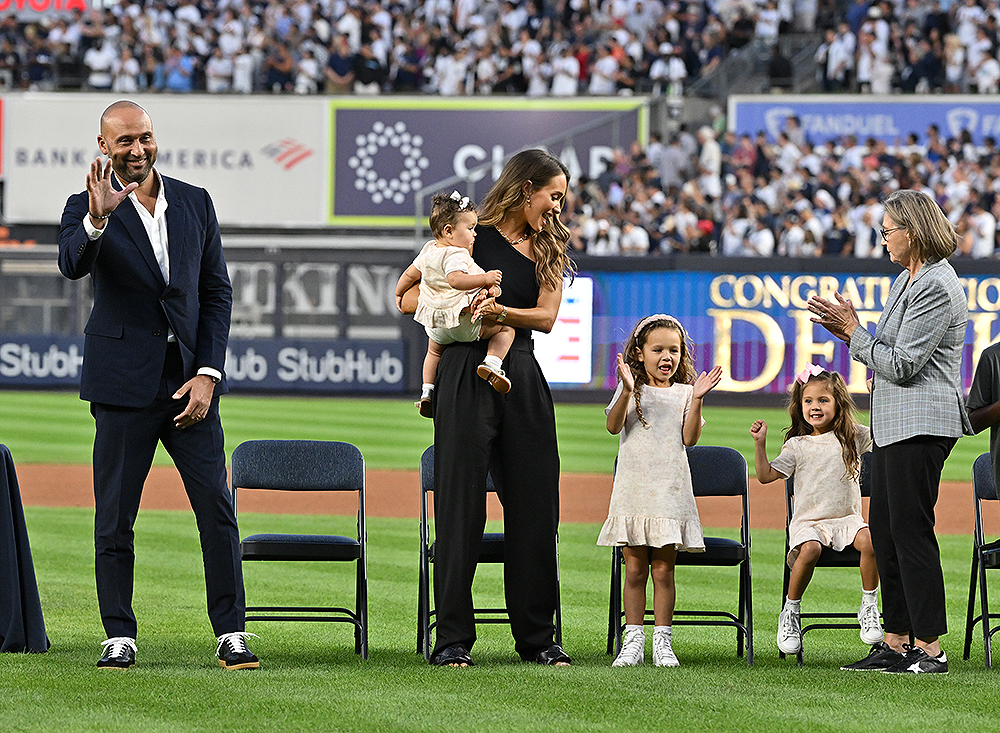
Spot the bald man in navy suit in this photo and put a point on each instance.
(154, 356)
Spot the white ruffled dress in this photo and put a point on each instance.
(440, 305)
(827, 505)
(652, 502)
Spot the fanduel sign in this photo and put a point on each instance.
(889, 119)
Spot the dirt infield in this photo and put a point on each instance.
(583, 498)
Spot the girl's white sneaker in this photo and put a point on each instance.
(871, 629)
(633, 649)
(663, 651)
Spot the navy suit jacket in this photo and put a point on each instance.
(126, 335)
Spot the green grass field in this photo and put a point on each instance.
(56, 427)
(311, 680)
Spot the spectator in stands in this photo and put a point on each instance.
(980, 238)
(244, 69)
(100, 61)
(760, 241)
(603, 75)
(369, 72)
(178, 71)
(709, 163)
(278, 67)
(218, 72)
(340, 67)
(565, 73)
(126, 73)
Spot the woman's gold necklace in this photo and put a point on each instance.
(512, 242)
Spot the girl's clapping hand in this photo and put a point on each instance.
(625, 374)
(706, 381)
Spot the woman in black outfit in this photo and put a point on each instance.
(478, 430)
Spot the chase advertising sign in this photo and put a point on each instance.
(383, 151)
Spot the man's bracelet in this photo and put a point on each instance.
(95, 216)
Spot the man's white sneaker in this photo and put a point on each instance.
(633, 649)
(663, 651)
(789, 631)
(871, 628)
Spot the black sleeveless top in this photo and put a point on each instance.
(520, 287)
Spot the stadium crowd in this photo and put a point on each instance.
(449, 47)
(702, 191)
(732, 195)
(452, 47)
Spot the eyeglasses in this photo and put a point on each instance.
(886, 232)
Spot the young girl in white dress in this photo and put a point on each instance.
(449, 281)
(822, 450)
(653, 515)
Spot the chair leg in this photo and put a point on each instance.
(749, 611)
(420, 611)
(969, 620)
(615, 604)
(987, 648)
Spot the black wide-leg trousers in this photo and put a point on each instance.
(476, 431)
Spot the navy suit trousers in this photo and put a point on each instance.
(124, 445)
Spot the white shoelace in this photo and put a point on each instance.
(118, 645)
(868, 616)
(238, 641)
(632, 648)
(663, 650)
(790, 624)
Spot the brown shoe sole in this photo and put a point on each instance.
(500, 383)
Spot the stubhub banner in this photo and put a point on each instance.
(273, 365)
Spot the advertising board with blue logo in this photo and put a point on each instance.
(890, 119)
(754, 324)
(384, 151)
(268, 365)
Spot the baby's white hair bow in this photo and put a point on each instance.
(463, 201)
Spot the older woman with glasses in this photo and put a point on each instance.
(917, 415)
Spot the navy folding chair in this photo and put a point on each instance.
(829, 558)
(491, 551)
(307, 465)
(984, 557)
(715, 471)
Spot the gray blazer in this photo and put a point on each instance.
(916, 357)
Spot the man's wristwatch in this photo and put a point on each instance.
(502, 316)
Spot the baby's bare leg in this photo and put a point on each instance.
(500, 338)
(433, 356)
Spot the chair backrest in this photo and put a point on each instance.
(865, 480)
(298, 465)
(717, 471)
(427, 472)
(982, 478)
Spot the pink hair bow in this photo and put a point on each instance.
(810, 371)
